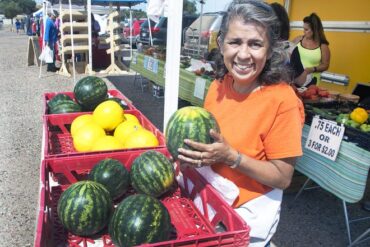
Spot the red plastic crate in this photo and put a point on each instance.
(212, 223)
(112, 93)
(58, 140)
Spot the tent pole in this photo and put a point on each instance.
(171, 93)
(150, 32)
(200, 25)
(130, 32)
(89, 23)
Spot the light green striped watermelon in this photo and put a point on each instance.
(189, 122)
(113, 175)
(139, 219)
(152, 173)
(90, 91)
(85, 208)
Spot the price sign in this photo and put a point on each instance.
(325, 137)
(151, 64)
(199, 87)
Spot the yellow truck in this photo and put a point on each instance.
(347, 28)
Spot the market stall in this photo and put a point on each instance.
(192, 87)
(193, 211)
(336, 147)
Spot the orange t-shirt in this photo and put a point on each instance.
(265, 124)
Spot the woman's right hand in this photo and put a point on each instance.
(207, 154)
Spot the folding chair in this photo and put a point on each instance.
(345, 178)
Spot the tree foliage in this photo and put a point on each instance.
(12, 8)
(189, 7)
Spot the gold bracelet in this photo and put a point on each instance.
(237, 161)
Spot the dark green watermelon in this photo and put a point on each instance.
(152, 173)
(113, 175)
(120, 102)
(65, 106)
(139, 219)
(85, 208)
(189, 122)
(90, 91)
(57, 98)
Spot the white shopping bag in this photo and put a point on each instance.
(46, 55)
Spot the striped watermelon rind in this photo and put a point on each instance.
(152, 173)
(139, 219)
(90, 91)
(113, 175)
(65, 106)
(57, 98)
(191, 122)
(85, 208)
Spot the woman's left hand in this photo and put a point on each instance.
(206, 154)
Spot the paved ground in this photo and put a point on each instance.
(316, 219)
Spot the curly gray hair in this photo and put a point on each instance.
(260, 13)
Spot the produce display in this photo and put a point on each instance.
(108, 115)
(113, 175)
(125, 128)
(139, 219)
(62, 103)
(85, 208)
(315, 93)
(189, 122)
(344, 109)
(90, 91)
(57, 98)
(80, 121)
(152, 174)
(140, 138)
(107, 128)
(357, 118)
(86, 136)
(106, 143)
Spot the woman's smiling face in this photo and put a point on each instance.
(245, 50)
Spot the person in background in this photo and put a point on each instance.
(95, 29)
(299, 73)
(313, 47)
(259, 116)
(50, 38)
(22, 25)
(29, 25)
(17, 25)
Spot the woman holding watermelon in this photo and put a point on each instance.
(259, 116)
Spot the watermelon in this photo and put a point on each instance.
(152, 173)
(90, 91)
(139, 219)
(113, 175)
(190, 122)
(57, 98)
(85, 208)
(65, 106)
